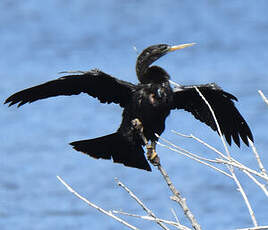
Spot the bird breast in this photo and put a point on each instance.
(154, 98)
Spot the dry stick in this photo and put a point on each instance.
(175, 215)
(263, 170)
(233, 161)
(184, 151)
(150, 213)
(262, 186)
(215, 119)
(175, 224)
(254, 148)
(241, 167)
(191, 155)
(247, 171)
(218, 161)
(255, 228)
(240, 188)
(198, 160)
(202, 142)
(108, 213)
(263, 97)
(179, 199)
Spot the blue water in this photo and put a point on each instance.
(41, 38)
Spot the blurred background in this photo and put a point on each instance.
(41, 38)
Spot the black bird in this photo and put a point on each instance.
(147, 103)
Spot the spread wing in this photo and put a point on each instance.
(231, 122)
(95, 83)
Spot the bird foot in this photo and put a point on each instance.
(152, 155)
(136, 123)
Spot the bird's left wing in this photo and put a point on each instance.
(95, 83)
(231, 122)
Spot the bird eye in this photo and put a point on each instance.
(163, 47)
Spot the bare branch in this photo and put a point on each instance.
(108, 213)
(242, 167)
(231, 169)
(241, 190)
(202, 142)
(233, 161)
(156, 162)
(150, 213)
(215, 119)
(175, 224)
(175, 215)
(263, 97)
(258, 159)
(179, 199)
(184, 151)
(198, 160)
(262, 186)
(255, 228)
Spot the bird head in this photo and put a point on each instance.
(150, 55)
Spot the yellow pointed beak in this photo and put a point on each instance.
(178, 47)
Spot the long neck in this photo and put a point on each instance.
(144, 60)
(142, 64)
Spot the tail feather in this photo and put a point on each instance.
(116, 147)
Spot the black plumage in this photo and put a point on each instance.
(150, 102)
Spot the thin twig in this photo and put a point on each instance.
(255, 228)
(202, 142)
(179, 199)
(108, 213)
(258, 159)
(138, 125)
(196, 159)
(242, 167)
(263, 97)
(262, 186)
(150, 213)
(175, 224)
(215, 119)
(240, 188)
(233, 161)
(175, 215)
(182, 150)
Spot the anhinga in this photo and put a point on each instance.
(146, 107)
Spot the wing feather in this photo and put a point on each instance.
(95, 83)
(231, 122)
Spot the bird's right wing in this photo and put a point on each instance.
(230, 120)
(95, 83)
